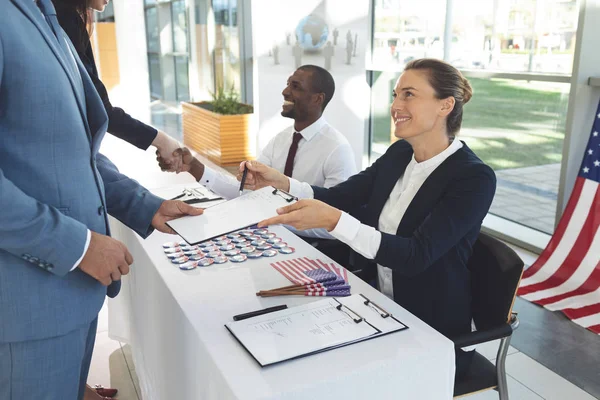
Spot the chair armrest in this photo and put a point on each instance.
(478, 337)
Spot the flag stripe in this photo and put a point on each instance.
(563, 248)
(575, 313)
(578, 256)
(575, 301)
(589, 320)
(590, 285)
(559, 233)
(298, 271)
(283, 272)
(595, 328)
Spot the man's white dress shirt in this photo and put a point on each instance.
(324, 158)
(365, 239)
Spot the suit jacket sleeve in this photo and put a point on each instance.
(126, 199)
(461, 209)
(29, 227)
(120, 124)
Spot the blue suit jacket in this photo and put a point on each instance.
(429, 252)
(53, 183)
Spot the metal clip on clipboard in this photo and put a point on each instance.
(383, 313)
(285, 195)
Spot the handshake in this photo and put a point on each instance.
(258, 176)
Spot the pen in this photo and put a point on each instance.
(243, 181)
(259, 312)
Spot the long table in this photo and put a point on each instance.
(174, 321)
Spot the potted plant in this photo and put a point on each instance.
(219, 129)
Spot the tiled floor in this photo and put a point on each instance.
(112, 365)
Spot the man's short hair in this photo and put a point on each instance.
(321, 82)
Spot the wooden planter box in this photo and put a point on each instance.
(223, 139)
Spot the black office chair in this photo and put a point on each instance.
(495, 275)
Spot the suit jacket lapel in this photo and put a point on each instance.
(428, 193)
(29, 8)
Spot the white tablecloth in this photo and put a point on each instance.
(174, 321)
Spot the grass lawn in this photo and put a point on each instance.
(509, 124)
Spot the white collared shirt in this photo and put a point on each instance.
(324, 158)
(365, 239)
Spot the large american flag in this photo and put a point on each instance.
(566, 276)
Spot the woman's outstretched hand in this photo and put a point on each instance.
(306, 214)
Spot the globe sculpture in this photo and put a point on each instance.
(312, 33)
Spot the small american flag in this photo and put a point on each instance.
(566, 276)
(316, 277)
(294, 269)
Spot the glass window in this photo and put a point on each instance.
(405, 30)
(108, 15)
(519, 35)
(517, 125)
(156, 90)
(182, 78)
(152, 31)
(227, 44)
(180, 31)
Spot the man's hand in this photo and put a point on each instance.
(171, 209)
(168, 159)
(189, 163)
(306, 214)
(259, 175)
(106, 259)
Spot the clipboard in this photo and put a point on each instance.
(233, 215)
(268, 344)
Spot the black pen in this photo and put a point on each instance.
(259, 312)
(243, 181)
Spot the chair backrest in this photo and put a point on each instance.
(495, 275)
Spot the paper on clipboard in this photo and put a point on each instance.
(231, 215)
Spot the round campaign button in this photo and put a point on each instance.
(214, 254)
(233, 235)
(260, 242)
(255, 254)
(220, 260)
(188, 265)
(253, 237)
(238, 259)
(268, 236)
(242, 245)
(287, 250)
(227, 247)
(207, 244)
(168, 245)
(274, 240)
(264, 247)
(220, 238)
(197, 257)
(210, 249)
(223, 242)
(232, 253)
(180, 260)
(172, 256)
(280, 245)
(205, 262)
(239, 240)
(245, 233)
(260, 231)
(192, 252)
(248, 249)
(269, 253)
(173, 250)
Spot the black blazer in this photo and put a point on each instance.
(120, 124)
(429, 253)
